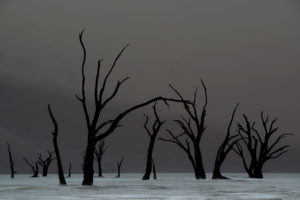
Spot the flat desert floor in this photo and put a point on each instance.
(168, 186)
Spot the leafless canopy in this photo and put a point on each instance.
(262, 146)
(99, 152)
(97, 129)
(192, 128)
(45, 163)
(34, 167)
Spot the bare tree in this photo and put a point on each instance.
(152, 135)
(119, 165)
(193, 128)
(226, 146)
(61, 177)
(97, 131)
(34, 167)
(12, 163)
(261, 147)
(69, 171)
(45, 163)
(99, 152)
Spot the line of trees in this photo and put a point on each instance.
(253, 146)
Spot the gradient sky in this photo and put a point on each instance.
(246, 51)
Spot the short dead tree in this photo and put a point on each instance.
(45, 163)
(69, 171)
(60, 170)
(119, 165)
(260, 145)
(11, 161)
(34, 167)
(99, 152)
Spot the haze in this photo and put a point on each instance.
(246, 51)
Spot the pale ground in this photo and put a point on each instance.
(168, 186)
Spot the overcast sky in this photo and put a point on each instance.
(246, 51)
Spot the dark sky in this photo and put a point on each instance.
(246, 51)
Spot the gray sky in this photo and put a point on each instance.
(246, 51)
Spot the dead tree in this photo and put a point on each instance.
(152, 135)
(97, 131)
(46, 162)
(119, 165)
(261, 145)
(12, 163)
(226, 146)
(69, 171)
(99, 151)
(154, 170)
(192, 128)
(34, 167)
(60, 170)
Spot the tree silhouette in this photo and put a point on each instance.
(45, 163)
(61, 177)
(69, 171)
(97, 131)
(34, 167)
(11, 162)
(226, 146)
(119, 165)
(261, 147)
(99, 151)
(152, 134)
(193, 128)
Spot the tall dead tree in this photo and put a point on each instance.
(97, 131)
(34, 167)
(152, 135)
(261, 145)
(99, 152)
(119, 165)
(226, 146)
(60, 170)
(11, 162)
(192, 128)
(45, 163)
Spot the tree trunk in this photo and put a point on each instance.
(88, 169)
(154, 170)
(199, 170)
(59, 165)
(217, 173)
(257, 172)
(12, 169)
(99, 167)
(70, 167)
(149, 161)
(119, 172)
(45, 170)
(35, 171)
(217, 169)
(54, 140)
